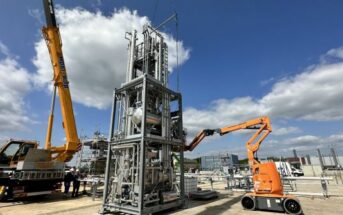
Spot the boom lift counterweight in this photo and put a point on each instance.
(268, 190)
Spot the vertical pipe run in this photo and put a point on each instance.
(128, 130)
(132, 54)
(142, 146)
(119, 115)
(160, 60)
(128, 61)
(182, 171)
(109, 152)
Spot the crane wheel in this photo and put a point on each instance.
(292, 206)
(2, 193)
(248, 203)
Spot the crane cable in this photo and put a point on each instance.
(174, 5)
(175, 17)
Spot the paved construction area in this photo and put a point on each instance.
(226, 203)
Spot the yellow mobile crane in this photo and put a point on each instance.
(26, 170)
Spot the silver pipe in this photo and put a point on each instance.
(160, 60)
(142, 148)
(109, 154)
(128, 61)
(132, 53)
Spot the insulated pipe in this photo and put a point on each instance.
(128, 59)
(132, 54)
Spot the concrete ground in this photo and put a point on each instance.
(226, 203)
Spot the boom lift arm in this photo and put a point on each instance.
(263, 129)
(262, 125)
(53, 40)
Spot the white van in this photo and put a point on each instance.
(285, 169)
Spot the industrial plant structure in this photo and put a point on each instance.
(144, 172)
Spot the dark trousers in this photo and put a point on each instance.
(66, 187)
(76, 187)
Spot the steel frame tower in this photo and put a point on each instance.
(144, 170)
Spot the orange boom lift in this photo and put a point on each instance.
(268, 190)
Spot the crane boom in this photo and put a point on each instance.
(52, 37)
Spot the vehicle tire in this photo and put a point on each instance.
(2, 194)
(296, 175)
(248, 203)
(292, 206)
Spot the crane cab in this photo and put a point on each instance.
(14, 151)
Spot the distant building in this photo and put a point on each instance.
(217, 162)
(190, 164)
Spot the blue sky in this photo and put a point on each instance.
(240, 60)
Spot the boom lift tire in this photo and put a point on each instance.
(248, 202)
(292, 206)
(2, 193)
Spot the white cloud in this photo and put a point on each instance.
(305, 143)
(221, 113)
(333, 53)
(316, 94)
(37, 15)
(267, 81)
(15, 84)
(4, 50)
(95, 53)
(279, 131)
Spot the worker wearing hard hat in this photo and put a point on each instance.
(76, 183)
